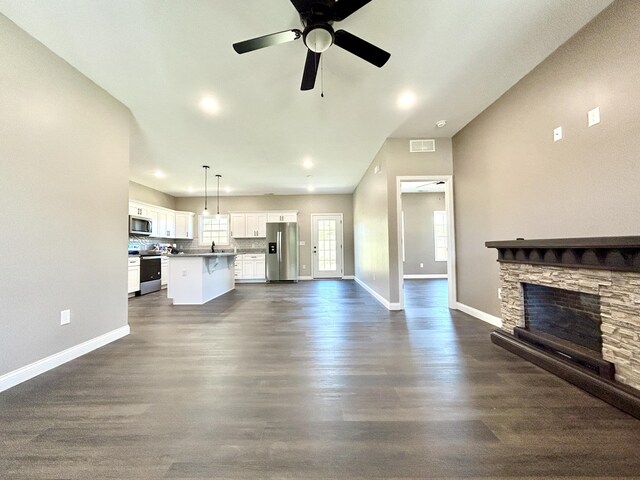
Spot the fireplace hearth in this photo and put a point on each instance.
(572, 306)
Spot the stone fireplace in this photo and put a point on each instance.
(575, 303)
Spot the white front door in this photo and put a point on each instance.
(327, 245)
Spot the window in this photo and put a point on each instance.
(440, 235)
(214, 228)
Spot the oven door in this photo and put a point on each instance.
(150, 268)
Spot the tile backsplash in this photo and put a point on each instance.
(240, 244)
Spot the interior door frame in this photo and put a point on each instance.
(313, 239)
(451, 234)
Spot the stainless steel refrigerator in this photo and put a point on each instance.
(282, 252)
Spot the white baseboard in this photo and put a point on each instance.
(34, 369)
(479, 314)
(305, 278)
(425, 275)
(388, 305)
(348, 277)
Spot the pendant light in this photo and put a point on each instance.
(206, 210)
(218, 197)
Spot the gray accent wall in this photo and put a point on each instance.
(145, 194)
(64, 158)
(305, 204)
(419, 243)
(513, 181)
(375, 205)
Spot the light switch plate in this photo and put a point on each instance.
(557, 134)
(302, 243)
(594, 116)
(65, 317)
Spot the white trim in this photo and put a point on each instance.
(313, 239)
(388, 305)
(348, 277)
(451, 233)
(306, 277)
(425, 275)
(479, 314)
(34, 369)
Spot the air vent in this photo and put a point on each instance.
(422, 146)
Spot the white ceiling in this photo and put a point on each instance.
(160, 57)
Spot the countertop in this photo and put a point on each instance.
(209, 254)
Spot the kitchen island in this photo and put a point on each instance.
(196, 278)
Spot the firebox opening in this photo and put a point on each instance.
(571, 316)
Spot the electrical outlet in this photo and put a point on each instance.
(593, 116)
(302, 243)
(500, 293)
(65, 317)
(557, 134)
(304, 267)
(184, 273)
(421, 265)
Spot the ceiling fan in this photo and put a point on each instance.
(317, 17)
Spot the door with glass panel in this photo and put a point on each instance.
(327, 245)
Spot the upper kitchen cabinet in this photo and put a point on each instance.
(165, 223)
(291, 216)
(248, 225)
(184, 225)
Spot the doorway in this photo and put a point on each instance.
(439, 223)
(327, 245)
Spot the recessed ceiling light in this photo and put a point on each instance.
(209, 105)
(441, 123)
(406, 100)
(308, 163)
(310, 188)
(159, 174)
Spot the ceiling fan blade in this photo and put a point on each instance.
(310, 70)
(343, 8)
(267, 41)
(361, 48)
(302, 5)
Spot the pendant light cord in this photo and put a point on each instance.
(206, 169)
(218, 195)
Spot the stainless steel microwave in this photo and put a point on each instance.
(139, 225)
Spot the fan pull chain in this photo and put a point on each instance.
(322, 76)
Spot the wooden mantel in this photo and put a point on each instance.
(601, 253)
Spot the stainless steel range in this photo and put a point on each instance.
(150, 268)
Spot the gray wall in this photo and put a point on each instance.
(64, 158)
(513, 181)
(149, 195)
(371, 231)
(419, 244)
(376, 203)
(305, 204)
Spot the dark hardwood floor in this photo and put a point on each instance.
(314, 380)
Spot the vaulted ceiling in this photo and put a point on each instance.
(160, 58)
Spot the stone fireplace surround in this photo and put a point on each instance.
(604, 266)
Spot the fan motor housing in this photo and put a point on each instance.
(319, 37)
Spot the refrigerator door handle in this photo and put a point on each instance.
(278, 240)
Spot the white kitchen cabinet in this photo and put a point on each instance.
(253, 266)
(238, 225)
(164, 271)
(184, 225)
(166, 224)
(238, 267)
(133, 274)
(282, 217)
(249, 225)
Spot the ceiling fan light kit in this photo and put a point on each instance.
(317, 18)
